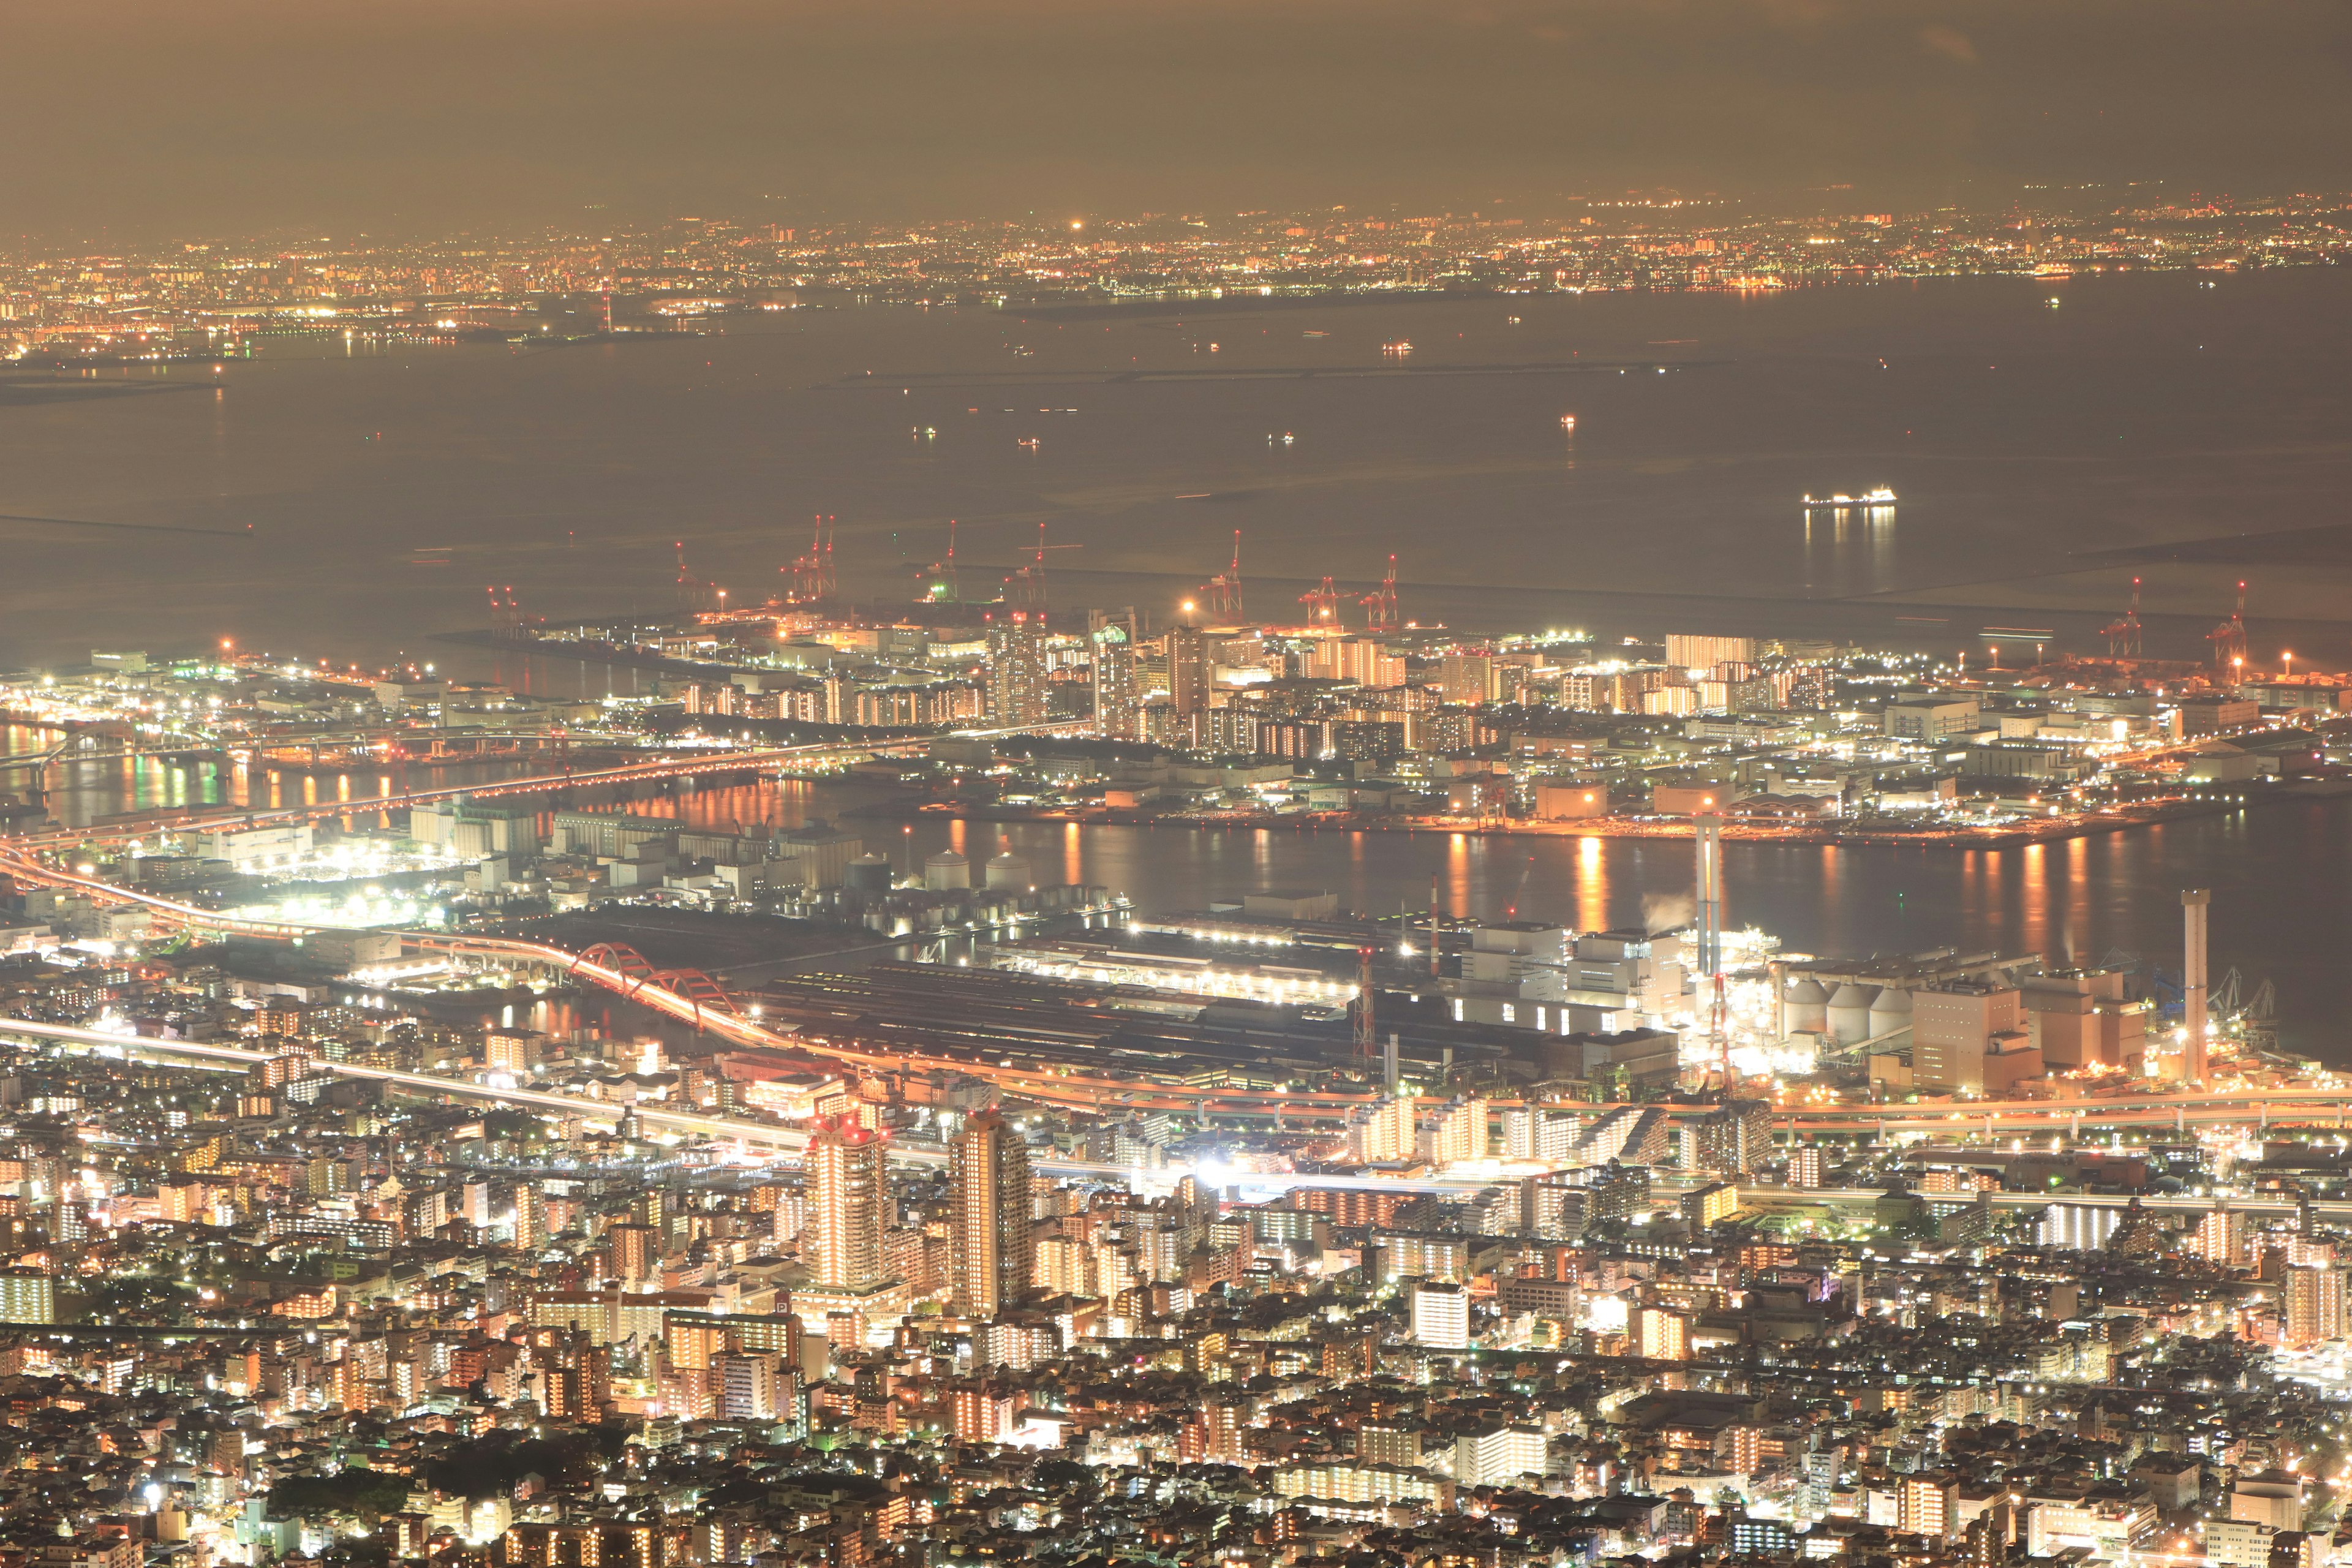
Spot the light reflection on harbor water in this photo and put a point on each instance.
(2278, 873)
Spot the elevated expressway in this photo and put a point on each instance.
(681, 999)
(704, 1008)
(692, 1004)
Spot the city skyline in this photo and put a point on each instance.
(1336, 784)
(269, 112)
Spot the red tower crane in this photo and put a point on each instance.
(1381, 605)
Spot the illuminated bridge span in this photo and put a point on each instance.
(671, 766)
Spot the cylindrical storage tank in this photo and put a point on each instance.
(1010, 872)
(870, 874)
(1849, 1013)
(946, 871)
(1889, 1011)
(1808, 1006)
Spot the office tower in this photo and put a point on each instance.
(989, 1229)
(846, 1193)
(1117, 690)
(1188, 669)
(1016, 668)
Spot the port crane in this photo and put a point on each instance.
(2229, 639)
(2123, 636)
(1222, 593)
(1322, 603)
(1381, 605)
(693, 593)
(811, 576)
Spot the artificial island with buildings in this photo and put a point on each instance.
(411, 1150)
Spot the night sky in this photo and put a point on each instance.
(135, 119)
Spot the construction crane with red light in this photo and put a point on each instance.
(2123, 636)
(1381, 605)
(1223, 592)
(1322, 605)
(2229, 639)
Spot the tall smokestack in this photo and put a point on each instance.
(2194, 903)
(1709, 833)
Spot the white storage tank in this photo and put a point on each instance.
(1808, 1005)
(1010, 873)
(1890, 1011)
(1849, 1013)
(946, 871)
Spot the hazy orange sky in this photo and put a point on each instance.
(144, 117)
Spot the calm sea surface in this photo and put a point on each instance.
(2189, 429)
(361, 501)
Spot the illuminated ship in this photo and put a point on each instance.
(1881, 495)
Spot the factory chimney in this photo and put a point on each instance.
(1709, 835)
(2194, 903)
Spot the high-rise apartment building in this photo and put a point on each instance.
(847, 1191)
(1661, 1334)
(1687, 651)
(990, 1226)
(750, 1386)
(27, 1296)
(1016, 668)
(1441, 1317)
(1118, 684)
(2313, 1305)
